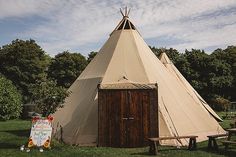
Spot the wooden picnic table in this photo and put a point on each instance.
(212, 144)
(231, 132)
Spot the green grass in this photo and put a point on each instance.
(15, 133)
(226, 123)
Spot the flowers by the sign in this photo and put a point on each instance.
(30, 143)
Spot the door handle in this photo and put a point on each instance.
(129, 118)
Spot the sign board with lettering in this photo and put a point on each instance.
(41, 132)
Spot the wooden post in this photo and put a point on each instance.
(153, 150)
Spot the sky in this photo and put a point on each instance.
(84, 25)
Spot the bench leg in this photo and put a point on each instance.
(210, 143)
(229, 136)
(215, 145)
(226, 146)
(192, 144)
(153, 150)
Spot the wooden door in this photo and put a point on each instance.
(127, 117)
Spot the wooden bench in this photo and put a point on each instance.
(227, 143)
(212, 144)
(154, 142)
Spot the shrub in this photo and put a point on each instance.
(220, 104)
(48, 96)
(10, 100)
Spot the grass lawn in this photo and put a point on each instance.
(15, 133)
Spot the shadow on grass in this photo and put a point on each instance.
(140, 153)
(162, 150)
(20, 133)
(4, 145)
(231, 152)
(8, 137)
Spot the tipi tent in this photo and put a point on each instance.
(191, 91)
(126, 62)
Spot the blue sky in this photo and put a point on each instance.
(84, 25)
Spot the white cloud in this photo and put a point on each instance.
(24, 8)
(72, 24)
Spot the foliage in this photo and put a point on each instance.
(10, 100)
(197, 75)
(228, 56)
(66, 67)
(220, 104)
(220, 77)
(23, 62)
(48, 96)
(208, 74)
(91, 55)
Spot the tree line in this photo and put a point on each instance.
(212, 75)
(28, 74)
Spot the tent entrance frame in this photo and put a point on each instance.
(127, 117)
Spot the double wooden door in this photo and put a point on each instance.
(127, 117)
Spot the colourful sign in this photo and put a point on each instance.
(41, 132)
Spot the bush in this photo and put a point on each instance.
(48, 96)
(220, 104)
(10, 100)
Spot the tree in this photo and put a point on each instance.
(219, 77)
(23, 62)
(183, 65)
(210, 75)
(197, 73)
(66, 67)
(48, 96)
(10, 100)
(226, 71)
(91, 55)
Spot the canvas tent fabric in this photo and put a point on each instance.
(126, 57)
(181, 79)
